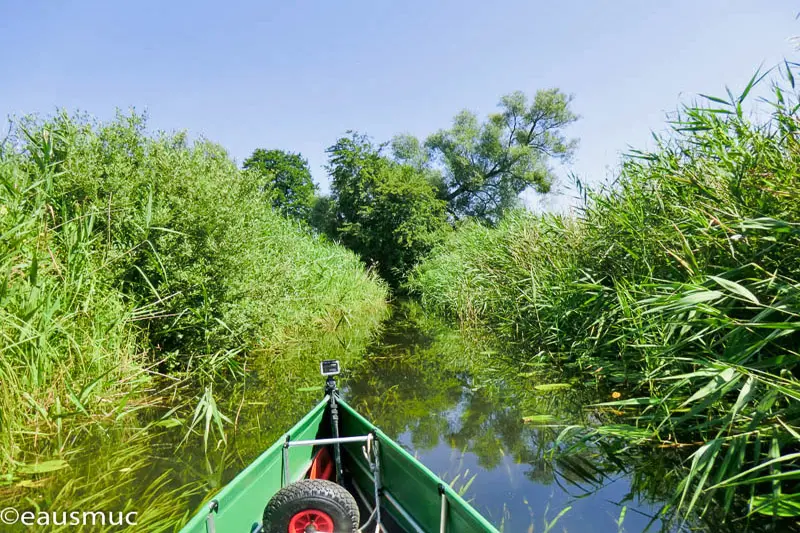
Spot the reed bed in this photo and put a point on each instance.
(680, 286)
(126, 254)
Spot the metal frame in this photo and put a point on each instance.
(213, 508)
(443, 514)
(288, 443)
(371, 450)
(392, 501)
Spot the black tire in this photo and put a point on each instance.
(317, 494)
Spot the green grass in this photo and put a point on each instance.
(125, 254)
(679, 285)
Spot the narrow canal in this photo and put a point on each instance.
(487, 425)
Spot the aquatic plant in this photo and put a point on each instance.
(679, 285)
(126, 254)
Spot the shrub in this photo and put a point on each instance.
(121, 248)
(386, 212)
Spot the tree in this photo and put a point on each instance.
(386, 211)
(287, 178)
(481, 168)
(323, 216)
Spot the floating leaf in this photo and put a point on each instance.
(538, 419)
(547, 387)
(41, 468)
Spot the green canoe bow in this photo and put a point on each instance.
(411, 497)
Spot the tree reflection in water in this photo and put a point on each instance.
(431, 389)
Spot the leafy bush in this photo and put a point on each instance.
(67, 333)
(191, 240)
(287, 178)
(120, 249)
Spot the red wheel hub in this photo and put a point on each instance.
(310, 521)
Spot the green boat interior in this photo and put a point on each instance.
(334, 444)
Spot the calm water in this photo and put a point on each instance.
(423, 384)
(468, 428)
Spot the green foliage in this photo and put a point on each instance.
(434, 388)
(681, 283)
(122, 250)
(288, 179)
(113, 471)
(66, 334)
(386, 212)
(323, 216)
(190, 238)
(480, 168)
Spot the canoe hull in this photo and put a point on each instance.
(411, 496)
(241, 503)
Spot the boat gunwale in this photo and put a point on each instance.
(201, 514)
(453, 497)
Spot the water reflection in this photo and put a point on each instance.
(429, 387)
(424, 389)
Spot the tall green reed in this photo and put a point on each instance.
(125, 255)
(680, 282)
(66, 337)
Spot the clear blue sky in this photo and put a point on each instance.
(295, 75)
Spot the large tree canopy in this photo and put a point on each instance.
(288, 178)
(386, 211)
(480, 168)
